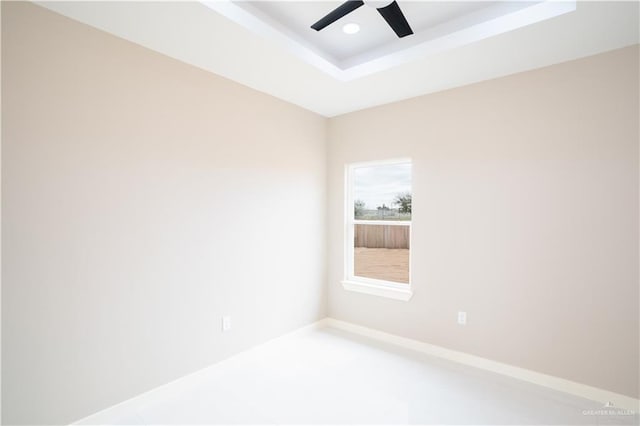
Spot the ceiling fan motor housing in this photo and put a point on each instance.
(389, 10)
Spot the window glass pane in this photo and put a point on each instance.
(382, 252)
(382, 192)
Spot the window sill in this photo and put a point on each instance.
(378, 290)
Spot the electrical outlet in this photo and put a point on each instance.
(462, 318)
(226, 324)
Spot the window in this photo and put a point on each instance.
(378, 228)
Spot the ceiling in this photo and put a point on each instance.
(268, 45)
(437, 25)
(375, 33)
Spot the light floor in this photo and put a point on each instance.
(328, 376)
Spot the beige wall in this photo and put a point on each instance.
(143, 199)
(525, 216)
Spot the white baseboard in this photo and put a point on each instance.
(124, 408)
(578, 389)
(552, 382)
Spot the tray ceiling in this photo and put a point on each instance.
(269, 47)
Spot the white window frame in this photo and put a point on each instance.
(365, 285)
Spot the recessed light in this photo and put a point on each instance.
(351, 28)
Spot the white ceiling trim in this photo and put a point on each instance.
(473, 27)
(261, 24)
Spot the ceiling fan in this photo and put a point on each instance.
(389, 10)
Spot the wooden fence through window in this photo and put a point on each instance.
(382, 236)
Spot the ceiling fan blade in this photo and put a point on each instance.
(342, 10)
(396, 20)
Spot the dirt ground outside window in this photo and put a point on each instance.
(382, 264)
